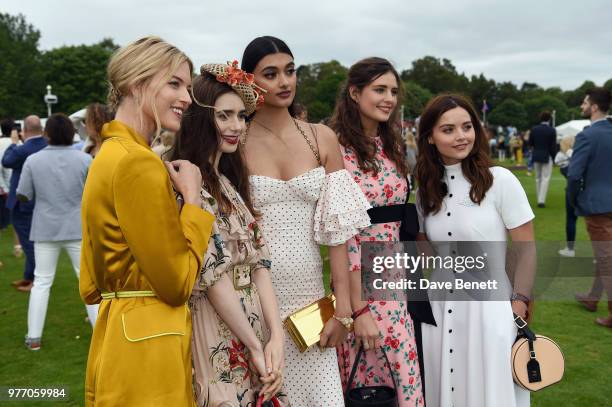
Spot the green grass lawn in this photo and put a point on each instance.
(62, 359)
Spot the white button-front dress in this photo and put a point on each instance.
(467, 356)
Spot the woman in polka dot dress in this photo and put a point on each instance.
(373, 155)
(306, 198)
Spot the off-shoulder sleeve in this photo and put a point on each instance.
(341, 210)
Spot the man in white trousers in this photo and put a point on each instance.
(55, 177)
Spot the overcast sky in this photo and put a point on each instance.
(552, 43)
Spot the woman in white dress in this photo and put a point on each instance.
(306, 198)
(462, 197)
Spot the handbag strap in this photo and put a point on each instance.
(534, 373)
(523, 328)
(527, 333)
(356, 363)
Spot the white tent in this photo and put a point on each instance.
(571, 128)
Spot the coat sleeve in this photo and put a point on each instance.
(552, 148)
(14, 156)
(25, 188)
(577, 167)
(87, 288)
(167, 246)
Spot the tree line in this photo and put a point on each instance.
(78, 77)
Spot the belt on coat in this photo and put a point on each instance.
(127, 294)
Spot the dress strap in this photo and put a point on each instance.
(314, 149)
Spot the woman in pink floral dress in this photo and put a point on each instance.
(373, 155)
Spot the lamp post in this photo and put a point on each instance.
(50, 99)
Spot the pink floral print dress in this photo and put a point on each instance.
(387, 187)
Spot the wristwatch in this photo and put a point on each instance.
(519, 297)
(346, 321)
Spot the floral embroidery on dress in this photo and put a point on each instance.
(222, 368)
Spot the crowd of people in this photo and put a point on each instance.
(188, 264)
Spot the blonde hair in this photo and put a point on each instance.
(566, 143)
(136, 64)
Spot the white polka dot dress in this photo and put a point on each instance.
(297, 215)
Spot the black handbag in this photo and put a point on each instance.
(368, 396)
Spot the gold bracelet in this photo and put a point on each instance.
(346, 321)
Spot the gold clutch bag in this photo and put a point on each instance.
(305, 325)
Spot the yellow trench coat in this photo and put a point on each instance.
(134, 239)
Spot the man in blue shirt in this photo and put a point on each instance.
(589, 183)
(21, 213)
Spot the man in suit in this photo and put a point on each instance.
(590, 191)
(543, 142)
(21, 213)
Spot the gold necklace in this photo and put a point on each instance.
(265, 127)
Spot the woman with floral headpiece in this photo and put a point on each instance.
(237, 334)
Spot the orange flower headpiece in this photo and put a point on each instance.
(243, 83)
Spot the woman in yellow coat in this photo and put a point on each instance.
(140, 256)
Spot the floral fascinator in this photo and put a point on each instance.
(243, 83)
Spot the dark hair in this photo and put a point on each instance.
(6, 126)
(198, 141)
(545, 116)
(346, 120)
(261, 47)
(429, 169)
(299, 108)
(59, 130)
(600, 97)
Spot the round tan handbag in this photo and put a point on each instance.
(537, 361)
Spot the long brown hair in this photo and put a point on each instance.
(96, 116)
(429, 169)
(198, 141)
(346, 120)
